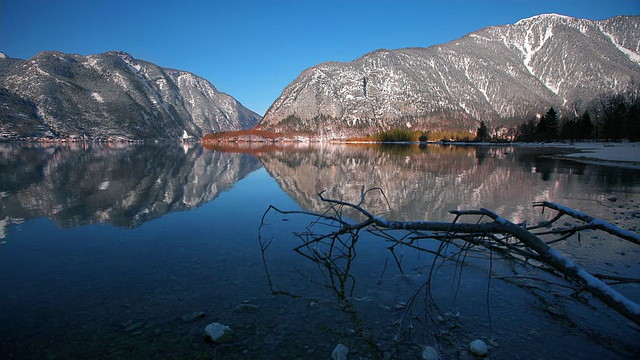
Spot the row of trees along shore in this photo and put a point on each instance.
(614, 118)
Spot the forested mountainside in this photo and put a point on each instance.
(110, 96)
(502, 75)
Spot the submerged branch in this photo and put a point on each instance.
(490, 230)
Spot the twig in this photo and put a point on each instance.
(494, 233)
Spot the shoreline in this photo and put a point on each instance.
(619, 154)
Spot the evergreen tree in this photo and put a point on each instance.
(584, 127)
(483, 134)
(547, 128)
(526, 132)
(568, 130)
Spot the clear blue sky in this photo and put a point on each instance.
(252, 49)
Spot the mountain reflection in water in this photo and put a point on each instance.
(123, 185)
(100, 279)
(425, 182)
(129, 184)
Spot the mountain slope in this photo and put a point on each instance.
(111, 95)
(500, 74)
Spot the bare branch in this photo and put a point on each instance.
(593, 222)
(490, 230)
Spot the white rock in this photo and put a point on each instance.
(340, 352)
(217, 332)
(478, 347)
(430, 353)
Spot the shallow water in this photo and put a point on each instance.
(107, 252)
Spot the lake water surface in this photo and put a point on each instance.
(128, 252)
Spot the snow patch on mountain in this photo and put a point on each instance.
(97, 96)
(499, 74)
(633, 55)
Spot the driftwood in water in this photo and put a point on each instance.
(490, 230)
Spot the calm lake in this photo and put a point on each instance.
(130, 251)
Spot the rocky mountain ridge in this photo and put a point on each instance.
(500, 75)
(110, 96)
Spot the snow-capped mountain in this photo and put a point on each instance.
(500, 75)
(110, 95)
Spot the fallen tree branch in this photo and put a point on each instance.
(592, 222)
(491, 231)
(599, 289)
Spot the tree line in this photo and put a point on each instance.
(613, 118)
(610, 118)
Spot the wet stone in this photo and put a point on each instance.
(247, 308)
(193, 316)
(478, 347)
(132, 326)
(218, 333)
(340, 352)
(430, 353)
